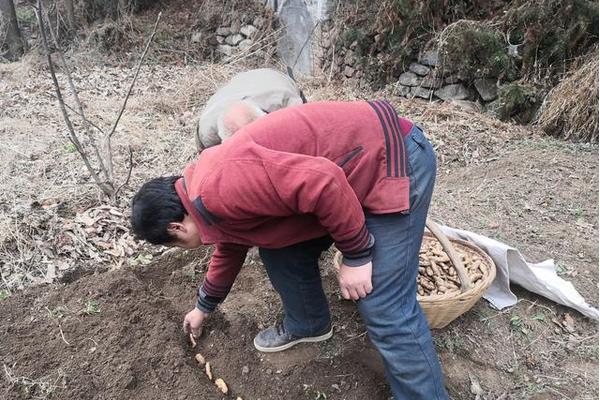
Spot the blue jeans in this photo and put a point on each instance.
(394, 320)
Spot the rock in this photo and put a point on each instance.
(233, 40)
(408, 79)
(353, 45)
(453, 92)
(486, 88)
(220, 39)
(130, 382)
(223, 31)
(235, 27)
(451, 79)
(402, 90)
(467, 105)
(417, 91)
(418, 69)
(349, 58)
(348, 71)
(431, 82)
(429, 57)
(245, 370)
(493, 108)
(225, 49)
(258, 22)
(245, 44)
(248, 31)
(196, 37)
(352, 82)
(358, 74)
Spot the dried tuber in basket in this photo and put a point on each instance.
(454, 288)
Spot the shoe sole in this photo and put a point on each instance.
(312, 339)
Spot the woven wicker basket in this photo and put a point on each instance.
(442, 309)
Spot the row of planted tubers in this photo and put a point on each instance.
(219, 382)
(437, 275)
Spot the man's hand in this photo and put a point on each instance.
(355, 282)
(192, 323)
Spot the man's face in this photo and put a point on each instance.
(185, 233)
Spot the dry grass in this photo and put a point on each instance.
(42, 388)
(571, 109)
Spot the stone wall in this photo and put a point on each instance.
(239, 35)
(425, 77)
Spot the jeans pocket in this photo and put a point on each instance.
(419, 137)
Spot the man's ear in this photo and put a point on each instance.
(175, 228)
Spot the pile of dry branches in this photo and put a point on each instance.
(571, 109)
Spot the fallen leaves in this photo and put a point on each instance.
(567, 324)
(49, 240)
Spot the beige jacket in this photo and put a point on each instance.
(267, 88)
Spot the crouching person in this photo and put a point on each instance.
(293, 183)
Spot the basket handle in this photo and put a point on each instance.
(465, 281)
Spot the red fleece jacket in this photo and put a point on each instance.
(296, 174)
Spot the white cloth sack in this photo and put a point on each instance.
(540, 278)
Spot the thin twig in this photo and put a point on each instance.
(77, 112)
(128, 173)
(305, 43)
(86, 123)
(332, 65)
(62, 335)
(139, 66)
(355, 337)
(72, 136)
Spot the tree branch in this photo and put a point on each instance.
(86, 123)
(77, 112)
(72, 135)
(139, 66)
(128, 173)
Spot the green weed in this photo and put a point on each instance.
(92, 307)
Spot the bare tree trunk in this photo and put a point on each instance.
(70, 14)
(14, 41)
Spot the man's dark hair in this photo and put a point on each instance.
(154, 207)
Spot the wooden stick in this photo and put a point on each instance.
(465, 281)
(139, 66)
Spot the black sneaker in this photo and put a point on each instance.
(275, 338)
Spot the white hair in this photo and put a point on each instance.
(237, 115)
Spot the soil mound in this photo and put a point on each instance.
(117, 335)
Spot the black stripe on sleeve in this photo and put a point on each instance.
(387, 139)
